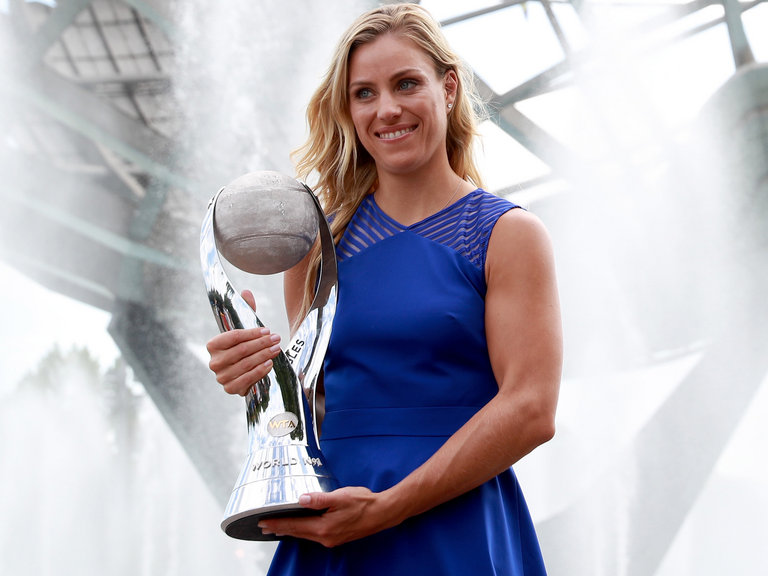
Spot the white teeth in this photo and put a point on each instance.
(390, 135)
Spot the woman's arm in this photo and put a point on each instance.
(525, 347)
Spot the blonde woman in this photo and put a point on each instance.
(444, 363)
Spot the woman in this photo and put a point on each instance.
(444, 361)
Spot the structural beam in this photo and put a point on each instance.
(161, 13)
(742, 52)
(59, 279)
(529, 134)
(210, 426)
(656, 488)
(60, 18)
(96, 119)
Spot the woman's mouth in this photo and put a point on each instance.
(395, 133)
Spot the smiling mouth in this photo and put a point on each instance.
(395, 134)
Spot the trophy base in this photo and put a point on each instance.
(247, 527)
(271, 483)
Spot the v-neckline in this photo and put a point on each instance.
(402, 226)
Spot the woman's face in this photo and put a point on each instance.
(398, 104)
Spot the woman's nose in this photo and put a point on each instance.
(389, 107)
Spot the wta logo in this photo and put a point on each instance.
(282, 424)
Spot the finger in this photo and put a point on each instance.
(264, 343)
(296, 527)
(237, 369)
(249, 298)
(316, 500)
(243, 383)
(230, 338)
(247, 363)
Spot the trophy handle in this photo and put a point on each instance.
(306, 349)
(230, 309)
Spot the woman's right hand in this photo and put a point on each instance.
(240, 358)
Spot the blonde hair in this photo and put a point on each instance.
(346, 172)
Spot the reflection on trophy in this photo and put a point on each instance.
(265, 223)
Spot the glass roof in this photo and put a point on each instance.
(570, 76)
(602, 69)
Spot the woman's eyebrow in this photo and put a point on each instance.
(395, 76)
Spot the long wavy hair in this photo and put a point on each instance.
(345, 172)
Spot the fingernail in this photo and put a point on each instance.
(264, 331)
(305, 500)
(268, 364)
(275, 338)
(264, 529)
(275, 349)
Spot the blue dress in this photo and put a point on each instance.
(407, 366)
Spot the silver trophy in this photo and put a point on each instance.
(264, 223)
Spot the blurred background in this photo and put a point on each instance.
(636, 130)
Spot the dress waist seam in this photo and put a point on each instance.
(410, 421)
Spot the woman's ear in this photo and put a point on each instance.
(451, 85)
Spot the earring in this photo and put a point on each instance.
(450, 105)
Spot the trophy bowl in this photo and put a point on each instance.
(264, 222)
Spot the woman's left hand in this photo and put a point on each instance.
(350, 513)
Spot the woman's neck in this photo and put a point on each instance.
(412, 198)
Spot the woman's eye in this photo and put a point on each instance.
(406, 84)
(363, 93)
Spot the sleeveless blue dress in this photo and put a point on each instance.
(406, 367)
